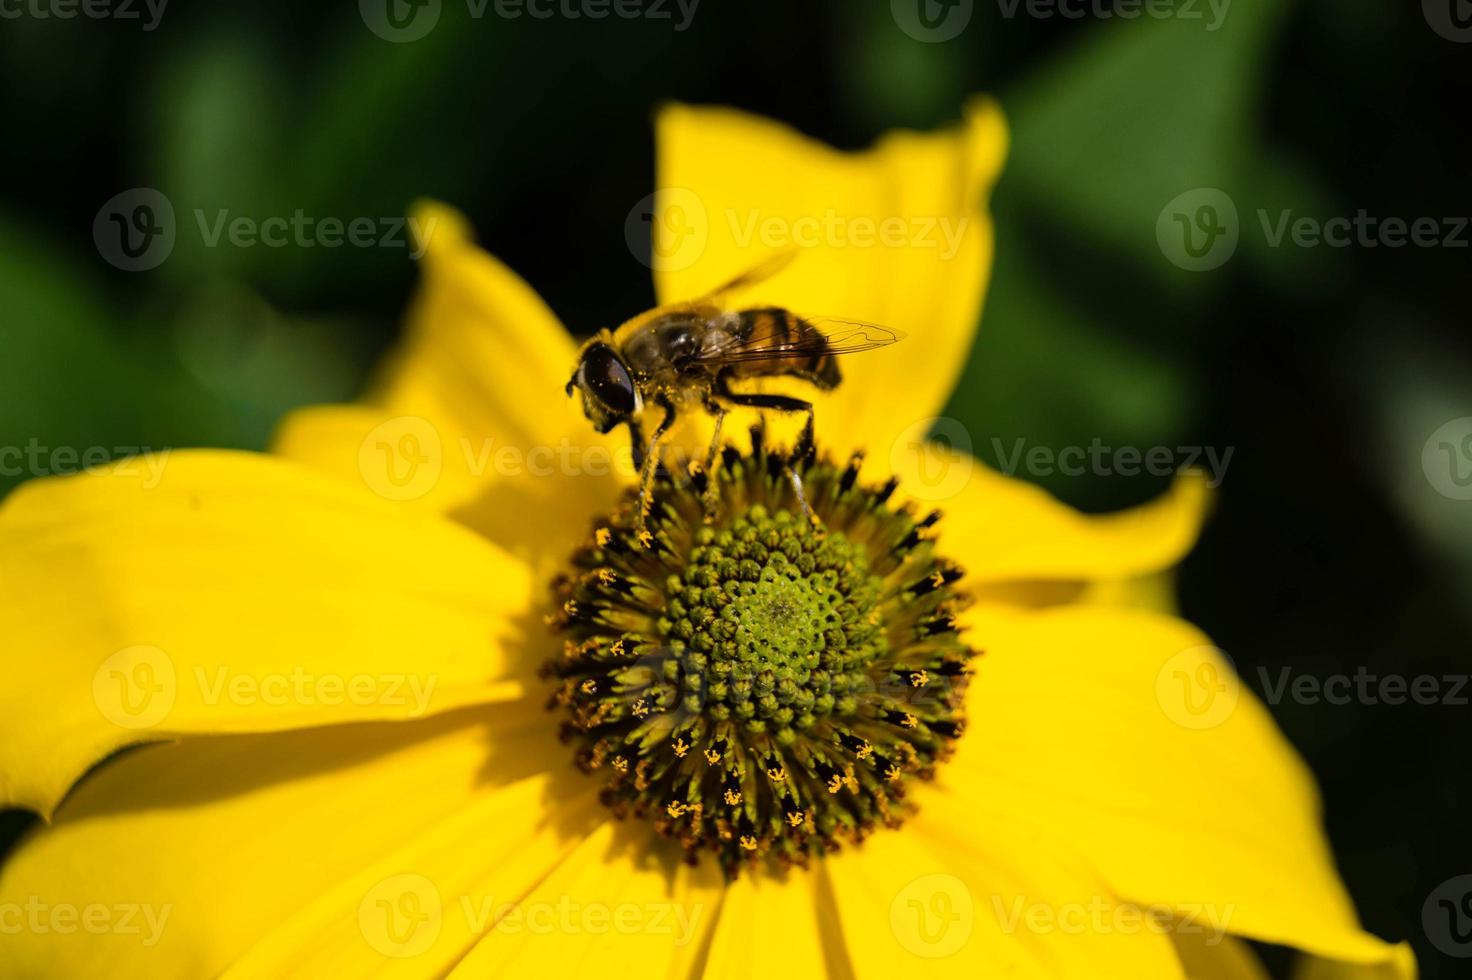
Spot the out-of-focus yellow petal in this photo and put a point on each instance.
(944, 897)
(481, 351)
(1401, 966)
(203, 592)
(898, 235)
(1155, 592)
(773, 926)
(1007, 530)
(473, 395)
(611, 909)
(1127, 734)
(353, 848)
(1204, 956)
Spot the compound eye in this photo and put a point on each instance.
(608, 379)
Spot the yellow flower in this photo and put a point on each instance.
(356, 623)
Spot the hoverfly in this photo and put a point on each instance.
(691, 353)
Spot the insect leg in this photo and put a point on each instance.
(636, 442)
(650, 466)
(712, 454)
(803, 450)
(780, 403)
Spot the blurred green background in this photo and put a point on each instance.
(1324, 370)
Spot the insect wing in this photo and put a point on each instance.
(712, 302)
(777, 335)
(761, 272)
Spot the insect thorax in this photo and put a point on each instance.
(671, 342)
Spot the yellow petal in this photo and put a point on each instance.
(611, 909)
(193, 855)
(776, 927)
(1402, 965)
(382, 452)
(1007, 530)
(1203, 958)
(481, 349)
(898, 235)
(1154, 592)
(488, 485)
(474, 395)
(1127, 734)
(205, 592)
(980, 898)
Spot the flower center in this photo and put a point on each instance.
(758, 684)
(777, 617)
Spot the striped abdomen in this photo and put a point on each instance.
(771, 340)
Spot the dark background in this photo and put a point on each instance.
(1325, 370)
